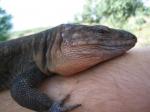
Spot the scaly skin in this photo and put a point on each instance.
(65, 50)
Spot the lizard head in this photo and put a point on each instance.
(78, 47)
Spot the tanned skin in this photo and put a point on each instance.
(65, 50)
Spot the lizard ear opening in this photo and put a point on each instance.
(39, 49)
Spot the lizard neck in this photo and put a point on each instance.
(42, 44)
(13, 48)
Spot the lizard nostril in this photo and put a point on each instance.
(133, 37)
(127, 35)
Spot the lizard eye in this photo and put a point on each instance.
(102, 31)
(99, 29)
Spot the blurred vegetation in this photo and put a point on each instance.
(115, 12)
(5, 25)
(131, 15)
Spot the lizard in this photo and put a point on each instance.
(62, 50)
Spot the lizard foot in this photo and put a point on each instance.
(60, 107)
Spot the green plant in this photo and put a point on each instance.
(5, 24)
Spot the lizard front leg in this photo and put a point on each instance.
(25, 92)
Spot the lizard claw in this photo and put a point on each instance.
(59, 106)
(70, 107)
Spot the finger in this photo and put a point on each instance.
(69, 108)
(64, 99)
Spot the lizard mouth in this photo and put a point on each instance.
(119, 45)
(107, 44)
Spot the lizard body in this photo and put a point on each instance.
(65, 49)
